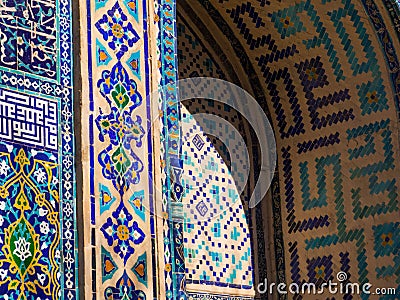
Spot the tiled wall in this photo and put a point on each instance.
(118, 166)
(329, 73)
(38, 255)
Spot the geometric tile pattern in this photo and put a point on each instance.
(330, 73)
(214, 215)
(173, 264)
(194, 60)
(193, 53)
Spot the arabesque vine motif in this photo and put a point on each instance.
(121, 130)
(30, 232)
(120, 164)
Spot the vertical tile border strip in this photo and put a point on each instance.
(389, 51)
(90, 239)
(89, 234)
(171, 143)
(385, 39)
(69, 268)
(393, 9)
(153, 236)
(77, 94)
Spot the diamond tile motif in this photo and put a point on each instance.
(117, 30)
(122, 232)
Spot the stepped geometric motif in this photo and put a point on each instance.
(331, 79)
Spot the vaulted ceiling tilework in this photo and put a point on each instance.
(328, 74)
